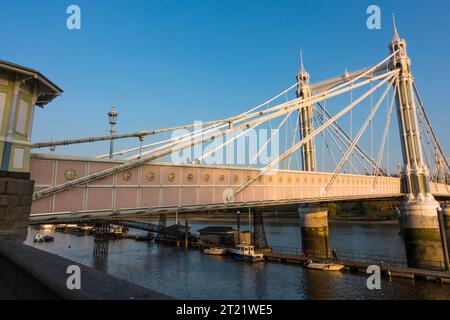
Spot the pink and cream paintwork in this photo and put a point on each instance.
(165, 185)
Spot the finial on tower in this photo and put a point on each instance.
(302, 68)
(396, 35)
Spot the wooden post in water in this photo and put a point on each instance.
(186, 234)
(238, 227)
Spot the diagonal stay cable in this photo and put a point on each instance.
(312, 135)
(385, 133)
(358, 136)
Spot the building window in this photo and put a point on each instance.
(22, 117)
(2, 106)
(18, 158)
(3, 81)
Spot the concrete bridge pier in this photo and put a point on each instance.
(420, 226)
(446, 216)
(314, 230)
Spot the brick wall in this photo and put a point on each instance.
(16, 193)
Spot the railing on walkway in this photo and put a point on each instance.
(342, 255)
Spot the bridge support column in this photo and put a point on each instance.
(446, 216)
(304, 92)
(314, 231)
(419, 217)
(421, 233)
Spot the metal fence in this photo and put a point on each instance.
(342, 255)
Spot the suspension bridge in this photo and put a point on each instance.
(314, 125)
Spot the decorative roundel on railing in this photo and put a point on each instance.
(222, 178)
(249, 178)
(270, 179)
(298, 180)
(280, 179)
(126, 175)
(206, 177)
(150, 176)
(171, 176)
(260, 179)
(70, 174)
(289, 179)
(235, 178)
(190, 177)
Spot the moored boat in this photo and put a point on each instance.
(140, 237)
(246, 253)
(38, 238)
(215, 251)
(324, 266)
(48, 238)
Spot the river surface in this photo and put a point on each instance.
(193, 275)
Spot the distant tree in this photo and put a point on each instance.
(332, 209)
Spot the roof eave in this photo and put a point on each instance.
(56, 91)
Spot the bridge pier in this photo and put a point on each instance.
(314, 230)
(421, 234)
(446, 216)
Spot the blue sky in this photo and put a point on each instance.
(164, 63)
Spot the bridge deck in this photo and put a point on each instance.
(163, 187)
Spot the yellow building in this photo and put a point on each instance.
(21, 89)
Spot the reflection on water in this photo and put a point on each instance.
(192, 275)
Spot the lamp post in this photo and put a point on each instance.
(112, 115)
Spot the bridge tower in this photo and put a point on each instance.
(419, 219)
(313, 218)
(306, 119)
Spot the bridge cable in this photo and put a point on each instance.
(385, 133)
(332, 134)
(324, 144)
(343, 135)
(244, 116)
(284, 109)
(358, 136)
(429, 125)
(313, 134)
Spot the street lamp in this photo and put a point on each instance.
(112, 122)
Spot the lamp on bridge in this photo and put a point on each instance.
(112, 115)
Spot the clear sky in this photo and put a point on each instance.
(164, 63)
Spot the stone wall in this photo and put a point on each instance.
(29, 273)
(16, 192)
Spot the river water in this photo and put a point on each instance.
(193, 275)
